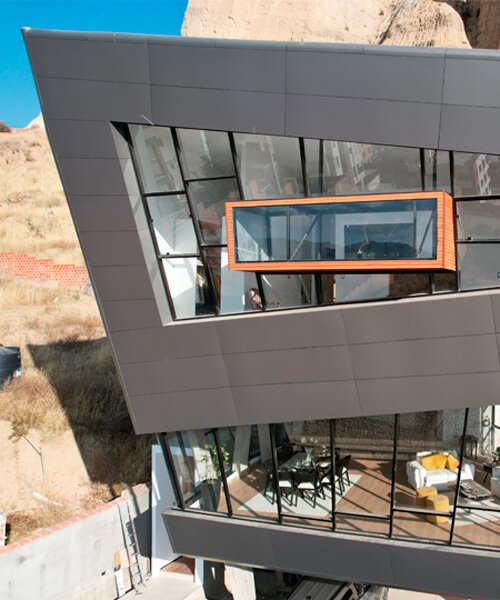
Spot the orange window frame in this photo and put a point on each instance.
(445, 244)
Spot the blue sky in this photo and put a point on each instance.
(18, 98)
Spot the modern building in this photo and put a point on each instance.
(295, 251)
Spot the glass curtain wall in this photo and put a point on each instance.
(186, 177)
(426, 476)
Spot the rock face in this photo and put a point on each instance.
(4, 128)
(488, 25)
(396, 22)
(38, 122)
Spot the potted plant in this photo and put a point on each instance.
(210, 484)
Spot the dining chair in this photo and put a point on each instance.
(307, 484)
(286, 485)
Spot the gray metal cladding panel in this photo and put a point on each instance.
(93, 176)
(197, 409)
(357, 75)
(83, 139)
(103, 60)
(103, 213)
(192, 339)
(123, 283)
(157, 343)
(123, 315)
(355, 119)
(495, 305)
(218, 68)
(175, 375)
(289, 366)
(412, 394)
(445, 316)
(296, 401)
(140, 345)
(291, 329)
(470, 128)
(110, 248)
(469, 354)
(335, 556)
(94, 100)
(469, 572)
(483, 82)
(226, 110)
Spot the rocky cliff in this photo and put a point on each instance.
(397, 22)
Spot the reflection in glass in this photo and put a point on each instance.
(172, 224)
(237, 291)
(445, 282)
(478, 220)
(155, 155)
(350, 167)
(479, 265)
(286, 291)
(196, 464)
(187, 282)
(205, 154)
(251, 484)
(270, 166)
(209, 198)
(357, 287)
(385, 230)
(476, 174)
(437, 170)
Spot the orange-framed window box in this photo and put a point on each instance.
(380, 232)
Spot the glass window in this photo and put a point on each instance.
(350, 167)
(237, 291)
(304, 466)
(359, 287)
(188, 286)
(476, 174)
(197, 467)
(478, 266)
(478, 220)
(209, 198)
(312, 150)
(251, 484)
(261, 233)
(364, 448)
(429, 445)
(156, 157)
(480, 486)
(437, 170)
(205, 154)
(172, 224)
(286, 291)
(270, 167)
(445, 282)
(360, 231)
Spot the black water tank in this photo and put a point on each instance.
(10, 362)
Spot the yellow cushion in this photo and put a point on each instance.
(440, 460)
(451, 462)
(428, 462)
(433, 461)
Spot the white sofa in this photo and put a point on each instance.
(441, 479)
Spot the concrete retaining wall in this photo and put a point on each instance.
(73, 560)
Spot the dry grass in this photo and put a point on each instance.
(21, 523)
(15, 291)
(34, 216)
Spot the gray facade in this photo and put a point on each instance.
(319, 363)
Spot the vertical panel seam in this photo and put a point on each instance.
(354, 378)
(442, 100)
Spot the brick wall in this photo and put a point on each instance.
(20, 265)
